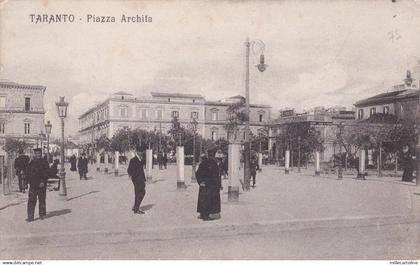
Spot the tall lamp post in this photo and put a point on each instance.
(62, 113)
(48, 127)
(261, 67)
(194, 124)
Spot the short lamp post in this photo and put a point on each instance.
(48, 127)
(62, 113)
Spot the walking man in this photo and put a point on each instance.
(82, 165)
(253, 165)
(38, 171)
(208, 178)
(21, 166)
(136, 172)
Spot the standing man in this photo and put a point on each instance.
(73, 161)
(165, 159)
(21, 166)
(208, 178)
(253, 165)
(136, 172)
(82, 165)
(38, 171)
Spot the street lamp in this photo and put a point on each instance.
(62, 113)
(48, 127)
(261, 67)
(194, 124)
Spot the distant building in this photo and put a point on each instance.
(155, 112)
(325, 122)
(21, 113)
(401, 101)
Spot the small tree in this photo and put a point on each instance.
(103, 143)
(235, 120)
(13, 146)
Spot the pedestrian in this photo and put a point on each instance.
(253, 166)
(160, 159)
(38, 173)
(225, 166)
(21, 166)
(73, 161)
(82, 165)
(136, 172)
(210, 183)
(165, 160)
(407, 164)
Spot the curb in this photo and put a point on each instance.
(94, 237)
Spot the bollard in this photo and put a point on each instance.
(106, 162)
(98, 162)
(234, 171)
(362, 164)
(149, 164)
(286, 162)
(317, 164)
(260, 160)
(116, 163)
(180, 182)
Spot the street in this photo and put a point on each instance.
(369, 242)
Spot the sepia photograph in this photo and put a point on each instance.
(235, 130)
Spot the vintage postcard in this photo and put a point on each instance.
(209, 130)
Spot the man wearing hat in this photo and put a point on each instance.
(38, 171)
(136, 172)
(82, 165)
(208, 178)
(21, 166)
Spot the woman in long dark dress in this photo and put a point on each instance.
(73, 161)
(407, 164)
(208, 178)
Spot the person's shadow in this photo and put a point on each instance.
(56, 213)
(146, 207)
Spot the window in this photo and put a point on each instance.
(175, 114)
(27, 128)
(2, 128)
(144, 114)
(260, 118)
(123, 111)
(386, 110)
(213, 136)
(159, 114)
(169, 99)
(27, 104)
(372, 111)
(2, 102)
(214, 116)
(228, 115)
(360, 114)
(194, 115)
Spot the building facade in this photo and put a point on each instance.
(156, 112)
(21, 113)
(324, 121)
(401, 101)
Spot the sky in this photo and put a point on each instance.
(320, 53)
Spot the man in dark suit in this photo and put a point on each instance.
(136, 172)
(38, 172)
(82, 165)
(21, 166)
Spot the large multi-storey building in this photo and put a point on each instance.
(156, 112)
(21, 113)
(401, 101)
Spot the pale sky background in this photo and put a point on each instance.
(320, 53)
